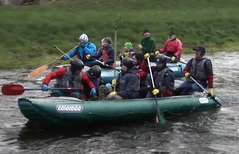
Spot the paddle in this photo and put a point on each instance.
(62, 52)
(115, 50)
(159, 114)
(43, 68)
(204, 89)
(17, 89)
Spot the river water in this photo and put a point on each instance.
(215, 131)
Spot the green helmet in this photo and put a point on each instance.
(128, 45)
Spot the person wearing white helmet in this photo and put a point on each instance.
(84, 48)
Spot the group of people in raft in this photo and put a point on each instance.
(132, 81)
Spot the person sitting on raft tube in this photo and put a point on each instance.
(69, 77)
(84, 48)
(128, 51)
(94, 74)
(105, 54)
(163, 78)
(200, 69)
(127, 84)
(173, 48)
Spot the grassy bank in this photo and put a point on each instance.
(28, 32)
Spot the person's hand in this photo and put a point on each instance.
(87, 56)
(113, 93)
(210, 91)
(108, 85)
(114, 82)
(103, 63)
(140, 46)
(44, 87)
(155, 91)
(187, 74)
(93, 92)
(62, 58)
(157, 53)
(146, 56)
(173, 58)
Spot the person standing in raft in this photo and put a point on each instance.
(105, 54)
(85, 48)
(69, 77)
(200, 69)
(148, 45)
(173, 48)
(127, 84)
(163, 78)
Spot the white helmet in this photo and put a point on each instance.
(84, 37)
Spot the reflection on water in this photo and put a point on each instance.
(214, 131)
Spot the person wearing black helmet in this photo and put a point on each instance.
(69, 77)
(163, 79)
(94, 74)
(200, 69)
(128, 82)
(105, 54)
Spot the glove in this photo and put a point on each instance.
(44, 87)
(108, 85)
(87, 56)
(62, 58)
(113, 93)
(187, 75)
(210, 91)
(157, 53)
(155, 91)
(146, 55)
(114, 82)
(93, 92)
(173, 58)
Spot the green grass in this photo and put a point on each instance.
(28, 32)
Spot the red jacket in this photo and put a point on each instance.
(143, 69)
(174, 46)
(61, 72)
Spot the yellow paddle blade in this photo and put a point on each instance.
(38, 71)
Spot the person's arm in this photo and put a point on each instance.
(56, 74)
(143, 71)
(98, 54)
(90, 49)
(209, 73)
(179, 51)
(86, 80)
(70, 54)
(163, 50)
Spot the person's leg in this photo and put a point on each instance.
(184, 89)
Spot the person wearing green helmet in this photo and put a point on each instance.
(128, 51)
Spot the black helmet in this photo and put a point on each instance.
(128, 62)
(96, 71)
(76, 65)
(161, 59)
(108, 40)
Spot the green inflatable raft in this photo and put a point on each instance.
(67, 111)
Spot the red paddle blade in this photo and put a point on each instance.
(12, 89)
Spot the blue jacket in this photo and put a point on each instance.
(81, 51)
